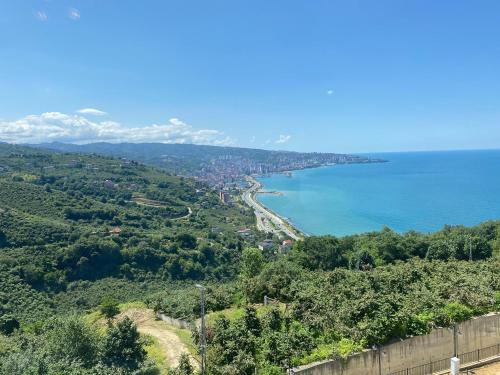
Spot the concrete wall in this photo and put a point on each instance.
(478, 333)
(179, 323)
(474, 334)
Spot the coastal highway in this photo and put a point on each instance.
(266, 220)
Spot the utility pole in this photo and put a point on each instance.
(203, 340)
(455, 343)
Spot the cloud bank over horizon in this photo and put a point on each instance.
(78, 129)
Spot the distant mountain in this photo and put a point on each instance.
(212, 164)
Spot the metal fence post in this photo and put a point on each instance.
(478, 355)
(379, 360)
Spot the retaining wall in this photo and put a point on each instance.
(477, 333)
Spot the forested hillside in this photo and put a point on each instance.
(80, 233)
(70, 221)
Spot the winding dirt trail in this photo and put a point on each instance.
(171, 344)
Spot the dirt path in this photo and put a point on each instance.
(190, 212)
(171, 344)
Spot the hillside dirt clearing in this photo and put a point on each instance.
(171, 345)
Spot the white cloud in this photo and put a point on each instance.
(74, 14)
(91, 111)
(252, 140)
(329, 92)
(57, 126)
(41, 15)
(283, 139)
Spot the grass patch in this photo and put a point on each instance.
(234, 313)
(155, 353)
(185, 337)
(132, 305)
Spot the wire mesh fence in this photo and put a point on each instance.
(444, 364)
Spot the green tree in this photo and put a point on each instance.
(72, 339)
(122, 346)
(454, 312)
(323, 253)
(273, 320)
(389, 247)
(186, 241)
(252, 321)
(109, 307)
(251, 262)
(184, 367)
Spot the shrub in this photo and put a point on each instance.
(454, 312)
(122, 347)
(345, 347)
(420, 324)
(109, 307)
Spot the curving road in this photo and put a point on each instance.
(266, 220)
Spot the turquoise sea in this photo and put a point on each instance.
(413, 190)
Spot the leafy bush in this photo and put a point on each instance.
(454, 312)
(122, 346)
(345, 347)
(109, 307)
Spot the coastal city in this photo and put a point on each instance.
(230, 169)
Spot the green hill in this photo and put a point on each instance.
(77, 230)
(70, 223)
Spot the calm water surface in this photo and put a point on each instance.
(417, 190)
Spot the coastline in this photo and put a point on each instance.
(268, 220)
(414, 191)
(262, 211)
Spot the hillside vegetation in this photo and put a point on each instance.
(81, 233)
(336, 296)
(69, 225)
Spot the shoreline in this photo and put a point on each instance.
(260, 210)
(268, 220)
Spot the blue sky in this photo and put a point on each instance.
(340, 76)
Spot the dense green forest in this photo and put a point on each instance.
(77, 230)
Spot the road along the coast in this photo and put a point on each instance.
(267, 221)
